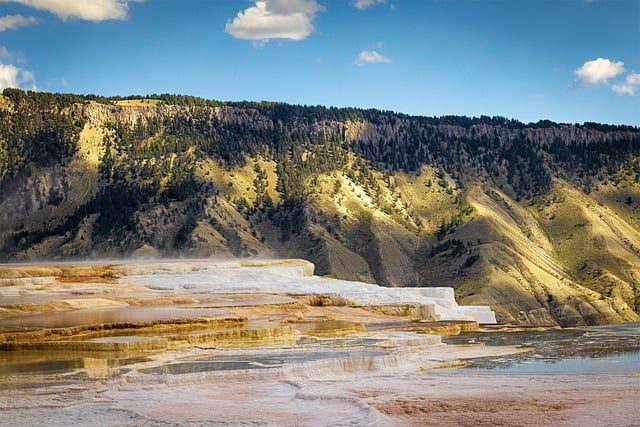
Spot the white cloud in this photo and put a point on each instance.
(364, 4)
(90, 10)
(11, 22)
(275, 19)
(599, 71)
(370, 57)
(12, 76)
(631, 83)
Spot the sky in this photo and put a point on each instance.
(568, 61)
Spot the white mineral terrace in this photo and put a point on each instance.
(295, 277)
(265, 343)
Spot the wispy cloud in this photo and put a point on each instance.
(275, 19)
(12, 76)
(89, 10)
(11, 22)
(599, 70)
(11, 56)
(370, 57)
(629, 86)
(365, 4)
(58, 82)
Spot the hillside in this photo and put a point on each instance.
(540, 221)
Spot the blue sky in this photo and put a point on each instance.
(563, 60)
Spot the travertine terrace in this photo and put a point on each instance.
(79, 306)
(258, 343)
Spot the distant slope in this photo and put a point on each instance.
(540, 221)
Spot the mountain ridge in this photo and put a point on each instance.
(540, 221)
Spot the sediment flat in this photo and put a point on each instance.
(332, 393)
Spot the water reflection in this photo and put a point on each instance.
(235, 362)
(600, 349)
(605, 349)
(100, 365)
(611, 364)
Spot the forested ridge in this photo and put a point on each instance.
(171, 175)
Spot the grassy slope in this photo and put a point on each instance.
(570, 258)
(534, 259)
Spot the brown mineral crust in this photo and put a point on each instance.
(476, 411)
(498, 399)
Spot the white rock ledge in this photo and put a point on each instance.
(295, 277)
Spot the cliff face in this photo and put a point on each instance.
(540, 221)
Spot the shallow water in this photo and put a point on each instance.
(228, 363)
(610, 349)
(34, 363)
(612, 364)
(305, 349)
